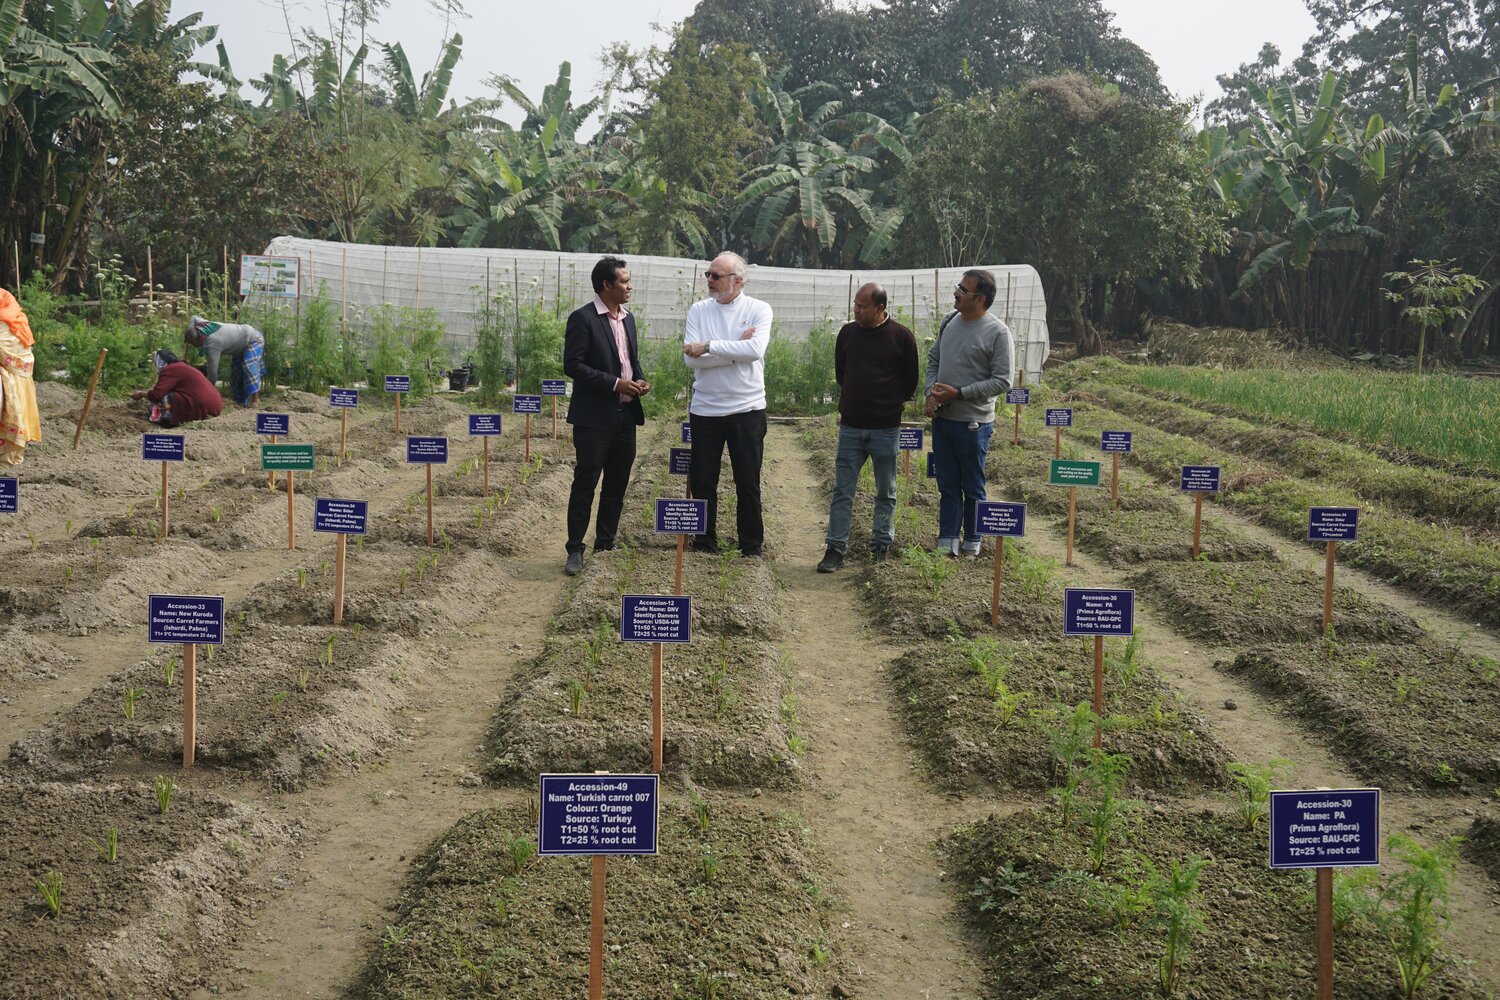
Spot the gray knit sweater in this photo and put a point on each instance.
(975, 357)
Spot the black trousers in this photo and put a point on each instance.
(745, 434)
(606, 450)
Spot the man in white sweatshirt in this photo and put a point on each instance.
(725, 345)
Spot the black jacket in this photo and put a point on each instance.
(592, 361)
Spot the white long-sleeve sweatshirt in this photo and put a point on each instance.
(731, 377)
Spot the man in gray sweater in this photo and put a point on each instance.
(968, 365)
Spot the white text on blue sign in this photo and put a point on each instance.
(427, 450)
(682, 517)
(1332, 524)
(1325, 828)
(1115, 441)
(909, 439)
(197, 621)
(279, 424)
(10, 496)
(340, 517)
(484, 424)
(648, 618)
(680, 461)
(526, 404)
(1007, 520)
(554, 387)
(343, 398)
(687, 432)
(1018, 396)
(1059, 417)
(163, 447)
(1089, 611)
(398, 383)
(597, 814)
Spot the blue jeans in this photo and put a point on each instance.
(959, 454)
(855, 445)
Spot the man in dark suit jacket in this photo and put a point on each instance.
(601, 357)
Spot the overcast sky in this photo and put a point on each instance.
(1189, 39)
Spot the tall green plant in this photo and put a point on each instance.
(1435, 293)
(539, 346)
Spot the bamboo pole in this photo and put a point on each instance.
(1328, 589)
(88, 400)
(291, 510)
(1197, 520)
(189, 703)
(340, 547)
(596, 931)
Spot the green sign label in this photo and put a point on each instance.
(1067, 473)
(286, 458)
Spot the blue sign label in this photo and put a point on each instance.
(1004, 519)
(340, 517)
(398, 383)
(1332, 524)
(195, 620)
(680, 461)
(554, 387)
(484, 424)
(687, 432)
(163, 447)
(1018, 396)
(909, 439)
(10, 496)
(597, 814)
(1088, 611)
(427, 450)
(682, 517)
(279, 424)
(526, 404)
(1200, 479)
(344, 398)
(931, 465)
(1325, 829)
(646, 618)
(1059, 417)
(1117, 441)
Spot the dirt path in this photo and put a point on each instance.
(1258, 730)
(867, 800)
(320, 920)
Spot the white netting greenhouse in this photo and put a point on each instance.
(462, 285)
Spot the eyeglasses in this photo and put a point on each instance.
(716, 275)
(960, 289)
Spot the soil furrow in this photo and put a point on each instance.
(868, 801)
(323, 917)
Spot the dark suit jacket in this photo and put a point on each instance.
(592, 361)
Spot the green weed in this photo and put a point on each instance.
(50, 886)
(164, 788)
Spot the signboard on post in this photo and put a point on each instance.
(648, 618)
(287, 458)
(1001, 521)
(931, 465)
(680, 461)
(681, 517)
(1088, 611)
(1332, 524)
(909, 439)
(1059, 417)
(554, 387)
(398, 383)
(164, 447)
(526, 404)
(198, 621)
(273, 424)
(1066, 472)
(597, 814)
(1117, 442)
(345, 398)
(1018, 396)
(1200, 479)
(427, 450)
(687, 432)
(484, 425)
(10, 496)
(1338, 828)
(277, 277)
(340, 517)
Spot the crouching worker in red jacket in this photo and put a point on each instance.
(181, 393)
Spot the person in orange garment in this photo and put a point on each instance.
(20, 423)
(181, 393)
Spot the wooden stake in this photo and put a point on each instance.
(398, 412)
(271, 476)
(291, 510)
(1072, 509)
(1328, 589)
(1099, 691)
(528, 437)
(343, 433)
(1197, 520)
(656, 708)
(338, 578)
(189, 703)
(1114, 481)
(1324, 889)
(1057, 452)
(89, 399)
(164, 498)
(995, 592)
(681, 544)
(429, 503)
(906, 469)
(554, 418)
(486, 466)
(596, 932)
(1016, 440)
